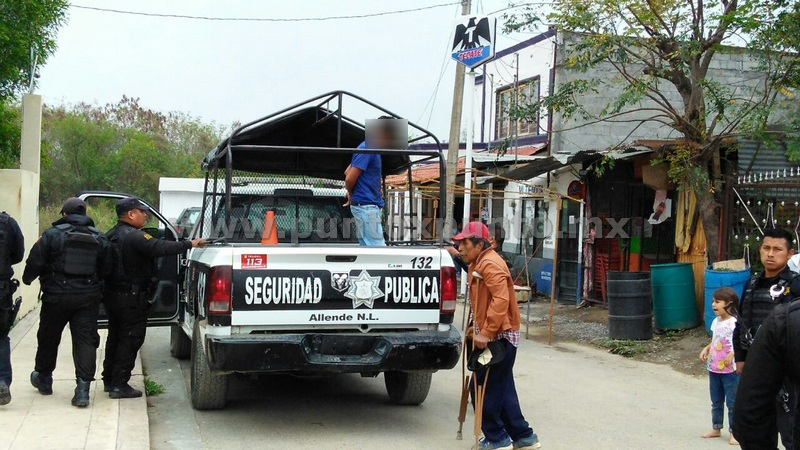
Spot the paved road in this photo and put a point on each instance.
(575, 398)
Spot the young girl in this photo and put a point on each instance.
(718, 356)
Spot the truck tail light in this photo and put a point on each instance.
(218, 293)
(448, 290)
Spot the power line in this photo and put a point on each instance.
(432, 99)
(291, 19)
(261, 19)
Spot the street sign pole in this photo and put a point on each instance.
(470, 94)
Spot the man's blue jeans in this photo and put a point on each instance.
(368, 225)
(502, 416)
(5, 360)
(723, 393)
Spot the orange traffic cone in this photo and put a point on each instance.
(270, 234)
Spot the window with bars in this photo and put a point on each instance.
(509, 98)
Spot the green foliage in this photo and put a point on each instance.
(10, 130)
(122, 147)
(624, 347)
(151, 388)
(26, 25)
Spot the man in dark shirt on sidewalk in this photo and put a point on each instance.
(128, 290)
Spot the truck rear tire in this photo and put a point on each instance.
(406, 388)
(180, 346)
(208, 391)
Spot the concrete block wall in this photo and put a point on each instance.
(19, 192)
(732, 68)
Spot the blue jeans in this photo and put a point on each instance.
(368, 225)
(723, 393)
(502, 416)
(5, 360)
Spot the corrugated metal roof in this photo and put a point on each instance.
(766, 159)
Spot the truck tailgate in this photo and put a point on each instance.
(291, 285)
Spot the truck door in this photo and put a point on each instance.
(165, 290)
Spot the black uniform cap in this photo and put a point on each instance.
(73, 205)
(130, 203)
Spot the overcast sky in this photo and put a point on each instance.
(229, 71)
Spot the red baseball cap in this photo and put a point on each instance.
(473, 229)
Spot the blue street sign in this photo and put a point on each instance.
(474, 40)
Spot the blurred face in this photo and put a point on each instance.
(469, 251)
(136, 218)
(775, 254)
(719, 306)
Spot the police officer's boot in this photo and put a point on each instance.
(124, 391)
(44, 383)
(5, 393)
(81, 398)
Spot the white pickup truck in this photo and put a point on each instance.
(316, 302)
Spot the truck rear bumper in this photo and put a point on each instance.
(334, 352)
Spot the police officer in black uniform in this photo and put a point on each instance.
(12, 249)
(776, 285)
(128, 290)
(70, 259)
(773, 358)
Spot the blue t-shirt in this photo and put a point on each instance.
(368, 186)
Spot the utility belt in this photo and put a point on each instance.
(131, 293)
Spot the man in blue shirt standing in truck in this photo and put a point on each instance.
(363, 183)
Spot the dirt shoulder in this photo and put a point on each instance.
(677, 349)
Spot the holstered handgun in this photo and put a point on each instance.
(8, 309)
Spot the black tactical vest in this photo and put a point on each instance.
(5, 244)
(759, 304)
(77, 251)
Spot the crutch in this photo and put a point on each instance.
(462, 407)
(480, 394)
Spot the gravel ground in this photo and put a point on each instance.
(678, 349)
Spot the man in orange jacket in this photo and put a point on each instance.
(496, 318)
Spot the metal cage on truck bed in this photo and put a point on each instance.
(299, 154)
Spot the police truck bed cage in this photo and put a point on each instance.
(313, 138)
(309, 138)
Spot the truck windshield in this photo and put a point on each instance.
(304, 219)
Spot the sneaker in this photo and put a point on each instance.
(5, 393)
(42, 382)
(527, 443)
(124, 391)
(484, 444)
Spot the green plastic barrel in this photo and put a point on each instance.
(673, 296)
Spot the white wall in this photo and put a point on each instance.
(534, 60)
(178, 194)
(19, 197)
